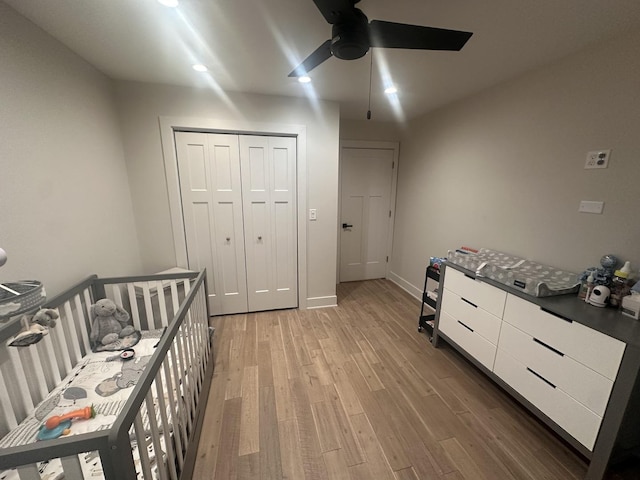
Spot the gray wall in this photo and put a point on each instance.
(504, 169)
(370, 130)
(141, 106)
(65, 207)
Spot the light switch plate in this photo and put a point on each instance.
(587, 206)
(313, 214)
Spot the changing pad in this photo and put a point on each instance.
(529, 277)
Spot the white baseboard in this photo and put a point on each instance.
(322, 302)
(406, 286)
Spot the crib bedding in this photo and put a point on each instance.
(102, 380)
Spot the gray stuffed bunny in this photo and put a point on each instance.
(109, 322)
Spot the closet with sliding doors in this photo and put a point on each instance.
(238, 195)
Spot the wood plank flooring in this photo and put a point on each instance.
(356, 393)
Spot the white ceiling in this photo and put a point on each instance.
(252, 45)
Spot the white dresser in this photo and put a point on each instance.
(561, 369)
(471, 315)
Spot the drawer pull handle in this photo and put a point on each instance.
(470, 303)
(542, 378)
(468, 328)
(556, 315)
(549, 347)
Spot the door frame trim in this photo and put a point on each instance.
(369, 144)
(169, 125)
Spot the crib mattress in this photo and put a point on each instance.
(100, 379)
(529, 277)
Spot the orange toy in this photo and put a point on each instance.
(83, 414)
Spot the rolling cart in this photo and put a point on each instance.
(430, 298)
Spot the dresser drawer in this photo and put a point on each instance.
(478, 293)
(589, 347)
(481, 321)
(578, 381)
(580, 422)
(468, 339)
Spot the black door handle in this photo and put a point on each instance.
(346, 225)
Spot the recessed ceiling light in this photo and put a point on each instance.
(390, 90)
(304, 79)
(198, 67)
(169, 3)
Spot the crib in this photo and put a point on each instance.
(153, 428)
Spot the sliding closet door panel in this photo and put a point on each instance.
(228, 220)
(258, 239)
(197, 207)
(283, 195)
(210, 184)
(269, 191)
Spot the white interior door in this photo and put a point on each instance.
(268, 166)
(366, 185)
(210, 185)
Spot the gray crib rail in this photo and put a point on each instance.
(188, 326)
(119, 445)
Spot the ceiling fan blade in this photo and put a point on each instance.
(322, 53)
(331, 10)
(399, 35)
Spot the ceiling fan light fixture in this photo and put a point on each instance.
(169, 3)
(198, 67)
(304, 79)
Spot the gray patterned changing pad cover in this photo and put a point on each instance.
(529, 277)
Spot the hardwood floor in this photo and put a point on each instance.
(356, 393)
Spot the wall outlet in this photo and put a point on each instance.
(597, 159)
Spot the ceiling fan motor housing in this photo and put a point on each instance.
(350, 36)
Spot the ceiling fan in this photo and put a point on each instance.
(352, 35)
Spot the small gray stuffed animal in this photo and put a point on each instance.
(36, 326)
(45, 318)
(109, 322)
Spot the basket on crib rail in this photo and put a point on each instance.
(20, 297)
